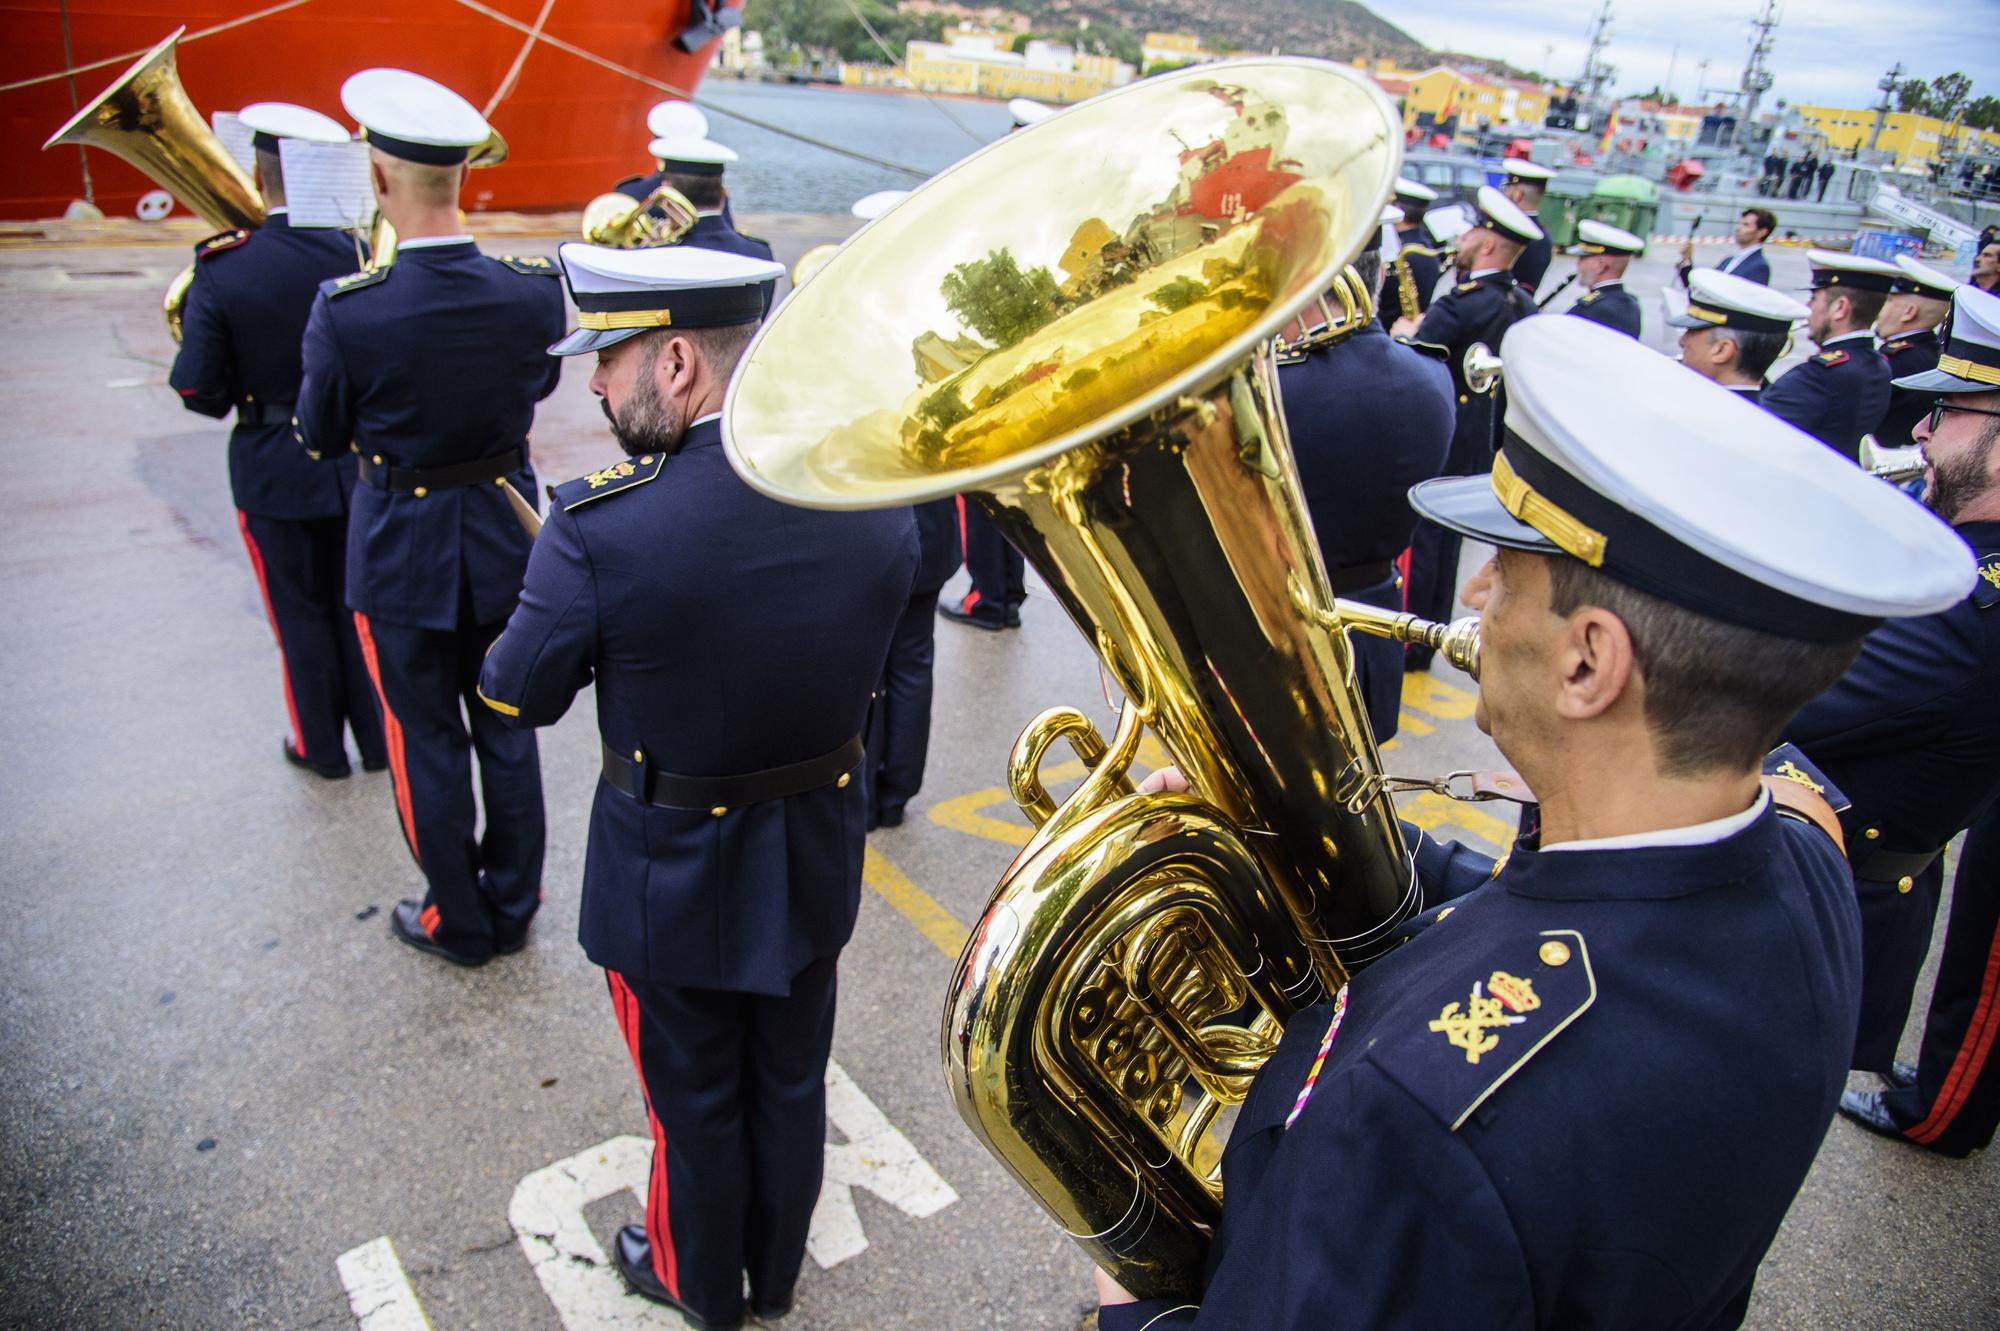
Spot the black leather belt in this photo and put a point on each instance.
(1360, 577)
(720, 794)
(1888, 866)
(422, 480)
(265, 413)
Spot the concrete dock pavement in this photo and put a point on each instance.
(232, 1100)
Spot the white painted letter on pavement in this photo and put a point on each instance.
(584, 1286)
(378, 1291)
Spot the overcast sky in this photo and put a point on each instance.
(1829, 52)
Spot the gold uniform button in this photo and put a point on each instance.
(420, 492)
(646, 461)
(354, 448)
(1555, 953)
(845, 777)
(499, 480)
(378, 459)
(1905, 883)
(1446, 911)
(638, 755)
(719, 810)
(1872, 833)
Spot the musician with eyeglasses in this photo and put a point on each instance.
(1524, 1116)
(1912, 730)
(425, 376)
(1478, 311)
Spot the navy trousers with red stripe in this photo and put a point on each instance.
(1955, 1105)
(998, 572)
(301, 571)
(482, 888)
(736, 1093)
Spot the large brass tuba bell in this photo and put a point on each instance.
(146, 118)
(1087, 356)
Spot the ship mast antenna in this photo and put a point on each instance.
(1890, 82)
(1757, 78)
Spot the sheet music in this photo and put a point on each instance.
(1448, 223)
(235, 136)
(326, 184)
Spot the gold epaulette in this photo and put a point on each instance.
(534, 265)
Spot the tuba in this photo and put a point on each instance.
(146, 118)
(621, 222)
(1090, 362)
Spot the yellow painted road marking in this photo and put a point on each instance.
(917, 906)
(1431, 695)
(1431, 811)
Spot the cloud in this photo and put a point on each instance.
(1832, 52)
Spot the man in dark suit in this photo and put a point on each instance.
(899, 725)
(1369, 417)
(1911, 733)
(1840, 394)
(240, 330)
(1525, 184)
(1500, 1107)
(1734, 330)
(1602, 253)
(1753, 228)
(1918, 302)
(1478, 311)
(1400, 293)
(429, 371)
(734, 642)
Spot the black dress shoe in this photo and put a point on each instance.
(1865, 1108)
(1900, 1075)
(1013, 617)
(890, 817)
(406, 923)
(329, 773)
(770, 1310)
(979, 616)
(374, 764)
(635, 1263)
(507, 947)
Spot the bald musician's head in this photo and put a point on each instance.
(1483, 247)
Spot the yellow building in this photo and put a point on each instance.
(1384, 70)
(979, 72)
(1476, 100)
(1910, 139)
(1175, 48)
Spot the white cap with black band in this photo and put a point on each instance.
(1970, 360)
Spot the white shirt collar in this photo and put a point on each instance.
(1483, 272)
(425, 242)
(1868, 333)
(1747, 251)
(278, 211)
(703, 420)
(708, 212)
(1614, 282)
(1700, 834)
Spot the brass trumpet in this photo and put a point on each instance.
(1089, 360)
(622, 222)
(1357, 311)
(1481, 368)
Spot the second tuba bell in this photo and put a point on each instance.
(1088, 358)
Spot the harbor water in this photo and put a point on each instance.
(781, 174)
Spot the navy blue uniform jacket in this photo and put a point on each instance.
(642, 187)
(1481, 310)
(716, 233)
(1836, 396)
(1533, 264)
(1907, 356)
(435, 361)
(240, 334)
(1611, 305)
(1912, 731)
(1582, 1096)
(1369, 418)
(728, 634)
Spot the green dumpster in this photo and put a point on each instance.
(1631, 203)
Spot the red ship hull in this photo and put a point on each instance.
(573, 127)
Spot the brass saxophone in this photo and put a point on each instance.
(1090, 362)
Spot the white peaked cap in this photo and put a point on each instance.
(283, 120)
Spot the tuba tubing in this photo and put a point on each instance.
(1120, 425)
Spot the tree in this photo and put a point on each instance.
(1948, 95)
(999, 301)
(1983, 113)
(1913, 96)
